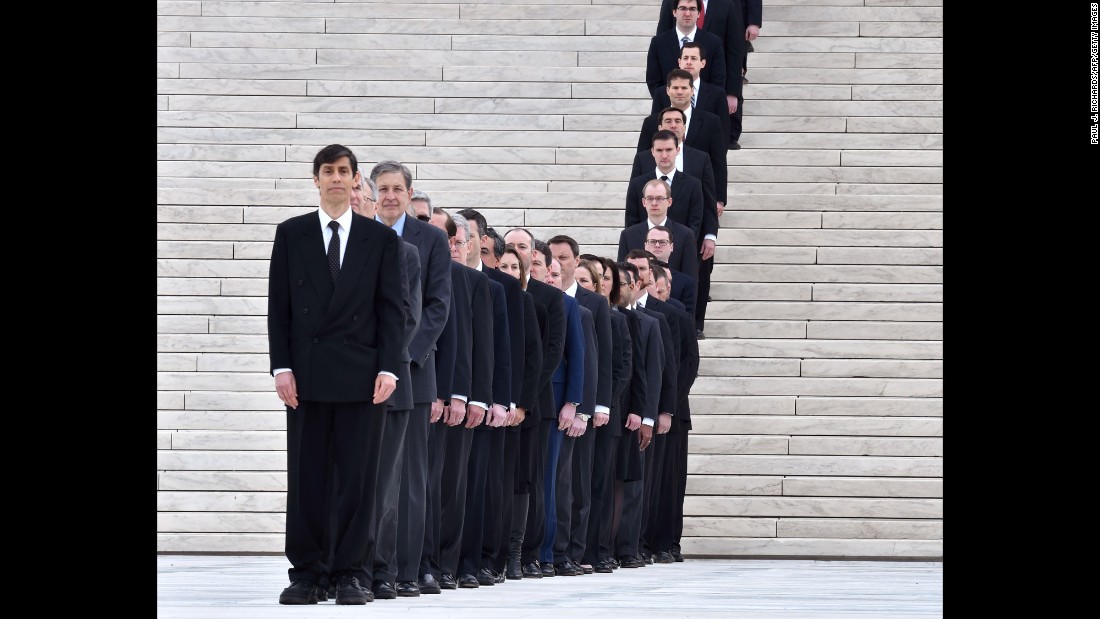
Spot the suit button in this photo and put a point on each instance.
(299, 282)
(305, 311)
(315, 340)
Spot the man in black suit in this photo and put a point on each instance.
(672, 339)
(659, 243)
(484, 501)
(398, 561)
(640, 406)
(723, 18)
(669, 515)
(691, 161)
(680, 242)
(665, 47)
(566, 250)
(705, 96)
(686, 197)
(707, 237)
(534, 435)
(334, 322)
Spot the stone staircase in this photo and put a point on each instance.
(819, 428)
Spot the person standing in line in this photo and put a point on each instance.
(336, 288)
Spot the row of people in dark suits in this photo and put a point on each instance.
(695, 63)
(528, 376)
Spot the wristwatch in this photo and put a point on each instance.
(584, 417)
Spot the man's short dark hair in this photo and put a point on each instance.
(561, 238)
(694, 45)
(665, 134)
(331, 154)
(497, 242)
(661, 114)
(544, 249)
(660, 228)
(680, 74)
(634, 254)
(630, 268)
(449, 224)
(474, 216)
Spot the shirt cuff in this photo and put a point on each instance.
(712, 237)
(280, 371)
(602, 410)
(460, 398)
(384, 373)
(646, 421)
(475, 403)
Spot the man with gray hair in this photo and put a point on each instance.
(421, 206)
(403, 508)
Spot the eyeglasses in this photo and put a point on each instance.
(459, 243)
(652, 200)
(423, 218)
(658, 242)
(687, 9)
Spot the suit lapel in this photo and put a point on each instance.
(315, 258)
(355, 257)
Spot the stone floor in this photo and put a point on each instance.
(247, 587)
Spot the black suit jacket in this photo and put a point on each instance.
(708, 97)
(589, 384)
(670, 337)
(685, 251)
(532, 359)
(502, 345)
(664, 56)
(335, 338)
(481, 338)
(435, 290)
(687, 201)
(684, 290)
(689, 365)
(447, 354)
(514, 299)
(402, 397)
(548, 304)
(725, 19)
(621, 365)
(601, 318)
(642, 393)
(696, 164)
(704, 133)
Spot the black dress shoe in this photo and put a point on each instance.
(427, 584)
(468, 581)
(663, 556)
(383, 590)
(513, 571)
(324, 592)
(734, 146)
(586, 569)
(348, 591)
(485, 577)
(699, 335)
(548, 570)
(447, 581)
(631, 561)
(532, 570)
(647, 557)
(566, 568)
(299, 592)
(408, 589)
(677, 556)
(499, 576)
(614, 563)
(604, 566)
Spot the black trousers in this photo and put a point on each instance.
(654, 469)
(630, 521)
(477, 477)
(460, 441)
(390, 469)
(706, 267)
(598, 544)
(429, 554)
(584, 451)
(669, 509)
(499, 526)
(332, 443)
(413, 502)
(536, 505)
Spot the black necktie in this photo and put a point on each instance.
(334, 250)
